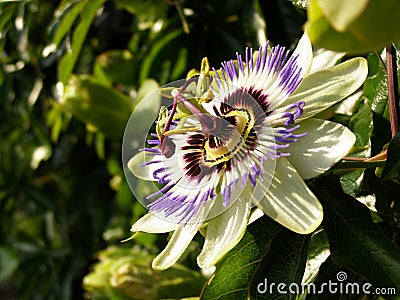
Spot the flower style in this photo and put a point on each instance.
(250, 145)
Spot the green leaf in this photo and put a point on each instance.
(351, 182)
(8, 262)
(165, 59)
(99, 106)
(267, 251)
(361, 124)
(147, 12)
(58, 119)
(116, 66)
(7, 12)
(329, 272)
(356, 242)
(391, 172)
(147, 91)
(69, 59)
(353, 26)
(71, 12)
(146, 108)
(321, 32)
(379, 23)
(342, 13)
(318, 251)
(375, 86)
(285, 262)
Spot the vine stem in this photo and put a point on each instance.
(393, 95)
(379, 157)
(177, 4)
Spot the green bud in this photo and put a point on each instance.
(123, 273)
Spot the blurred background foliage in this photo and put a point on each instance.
(72, 71)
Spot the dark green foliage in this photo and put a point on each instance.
(266, 252)
(71, 73)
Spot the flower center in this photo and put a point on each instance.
(232, 139)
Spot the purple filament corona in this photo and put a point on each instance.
(245, 161)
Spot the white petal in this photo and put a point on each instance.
(290, 202)
(224, 232)
(325, 144)
(137, 167)
(305, 55)
(151, 223)
(350, 104)
(255, 215)
(262, 186)
(324, 88)
(178, 243)
(324, 59)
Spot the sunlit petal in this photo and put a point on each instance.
(324, 145)
(151, 223)
(327, 87)
(178, 243)
(290, 202)
(224, 232)
(304, 55)
(324, 59)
